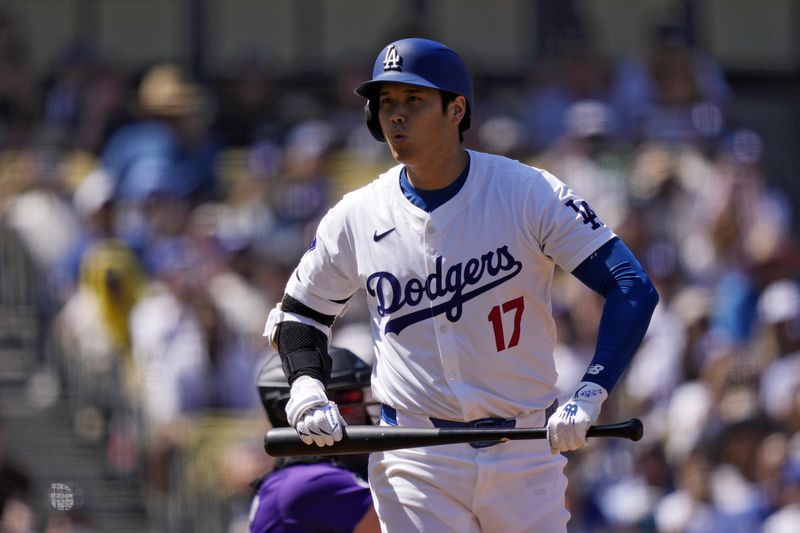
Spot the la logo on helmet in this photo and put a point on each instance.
(392, 61)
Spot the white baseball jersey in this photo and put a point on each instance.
(459, 298)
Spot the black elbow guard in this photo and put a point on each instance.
(304, 352)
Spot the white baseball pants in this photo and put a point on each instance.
(514, 486)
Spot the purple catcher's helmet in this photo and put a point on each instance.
(419, 62)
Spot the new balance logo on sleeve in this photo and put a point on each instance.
(595, 369)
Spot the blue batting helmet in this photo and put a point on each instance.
(419, 62)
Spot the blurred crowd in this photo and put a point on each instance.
(163, 214)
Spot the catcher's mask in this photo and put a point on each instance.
(350, 377)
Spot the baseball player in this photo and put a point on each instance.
(456, 251)
(308, 494)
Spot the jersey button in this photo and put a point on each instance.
(451, 376)
(431, 229)
(443, 328)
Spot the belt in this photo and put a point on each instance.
(389, 415)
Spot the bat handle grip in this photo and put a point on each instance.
(632, 429)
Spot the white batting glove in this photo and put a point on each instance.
(567, 427)
(316, 419)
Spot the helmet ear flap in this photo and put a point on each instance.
(373, 123)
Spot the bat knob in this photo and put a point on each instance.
(636, 429)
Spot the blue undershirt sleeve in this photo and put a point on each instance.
(630, 299)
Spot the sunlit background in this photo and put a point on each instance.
(164, 163)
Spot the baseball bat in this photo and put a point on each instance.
(284, 442)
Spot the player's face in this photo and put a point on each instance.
(414, 124)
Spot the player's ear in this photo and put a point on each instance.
(458, 108)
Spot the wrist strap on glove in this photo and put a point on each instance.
(590, 392)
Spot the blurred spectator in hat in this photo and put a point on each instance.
(627, 504)
(169, 149)
(95, 205)
(503, 134)
(38, 208)
(779, 312)
(94, 320)
(231, 360)
(231, 264)
(677, 103)
(691, 507)
(589, 153)
(152, 226)
(750, 232)
(164, 329)
(752, 217)
(687, 419)
(590, 120)
(577, 74)
(664, 180)
(246, 216)
(693, 304)
(734, 480)
(301, 194)
(675, 93)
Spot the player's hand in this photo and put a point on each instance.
(567, 427)
(321, 425)
(316, 419)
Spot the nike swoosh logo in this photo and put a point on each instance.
(378, 236)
